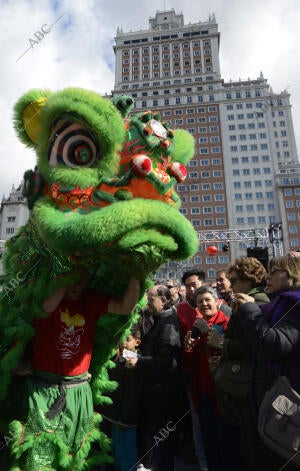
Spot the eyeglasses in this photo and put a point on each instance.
(170, 286)
(233, 280)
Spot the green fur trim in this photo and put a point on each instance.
(103, 227)
(184, 148)
(64, 459)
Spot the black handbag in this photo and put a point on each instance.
(234, 378)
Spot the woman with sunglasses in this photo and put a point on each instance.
(273, 330)
(247, 275)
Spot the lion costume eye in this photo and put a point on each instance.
(71, 144)
(158, 129)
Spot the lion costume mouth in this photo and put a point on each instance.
(120, 232)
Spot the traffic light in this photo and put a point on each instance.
(260, 253)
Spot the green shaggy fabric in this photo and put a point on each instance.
(130, 237)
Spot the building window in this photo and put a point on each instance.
(196, 223)
(194, 187)
(194, 199)
(193, 163)
(208, 222)
(220, 221)
(218, 186)
(182, 188)
(207, 210)
(220, 209)
(206, 198)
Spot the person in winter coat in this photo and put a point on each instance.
(216, 432)
(273, 329)
(159, 367)
(248, 276)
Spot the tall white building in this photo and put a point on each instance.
(243, 131)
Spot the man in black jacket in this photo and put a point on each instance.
(159, 367)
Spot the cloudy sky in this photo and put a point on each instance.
(77, 51)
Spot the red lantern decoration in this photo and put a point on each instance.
(212, 250)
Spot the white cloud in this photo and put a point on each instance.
(255, 36)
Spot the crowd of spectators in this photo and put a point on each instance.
(188, 329)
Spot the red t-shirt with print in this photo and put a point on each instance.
(63, 342)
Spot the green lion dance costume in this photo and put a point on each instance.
(102, 201)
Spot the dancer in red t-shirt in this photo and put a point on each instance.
(58, 402)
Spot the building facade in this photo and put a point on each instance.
(245, 143)
(14, 213)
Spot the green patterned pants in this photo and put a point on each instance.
(61, 443)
